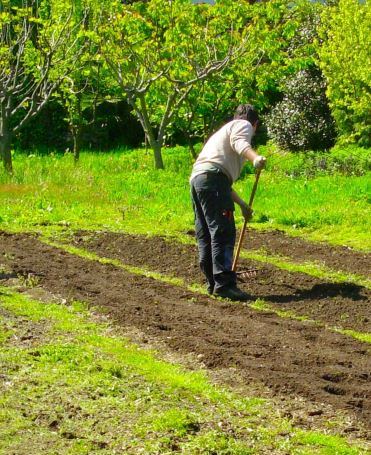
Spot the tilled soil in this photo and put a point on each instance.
(290, 357)
(338, 304)
(339, 258)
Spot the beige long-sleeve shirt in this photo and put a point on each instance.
(225, 150)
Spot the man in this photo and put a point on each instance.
(217, 167)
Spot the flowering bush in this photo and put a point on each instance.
(302, 120)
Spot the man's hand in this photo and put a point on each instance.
(259, 162)
(246, 211)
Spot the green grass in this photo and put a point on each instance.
(77, 387)
(327, 208)
(121, 191)
(349, 160)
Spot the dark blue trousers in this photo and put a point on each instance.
(215, 228)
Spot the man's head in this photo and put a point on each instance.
(247, 112)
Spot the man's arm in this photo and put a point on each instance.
(257, 160)
(259, 163)
(245, 209)
(241, 135)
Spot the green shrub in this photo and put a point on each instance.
(302, 120)
(349, 161)
(344, 52)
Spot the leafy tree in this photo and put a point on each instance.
(159, 51)
(81, 89)
(344, 56)
(38, 43)
(207, 106)
(285, 32)
(281, 42)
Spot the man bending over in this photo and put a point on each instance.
(217, 167)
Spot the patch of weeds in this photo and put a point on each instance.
(3, 269)
(360, 336)
(9, 256)
(216, 442)
(29, 281)
(174, 420)
(5, 333)
(324, 444)
(261, 305)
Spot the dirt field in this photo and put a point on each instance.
(290, 357)
(346, 305)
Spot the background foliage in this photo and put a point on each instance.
(345, 59)
(135, 59)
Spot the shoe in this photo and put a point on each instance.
(210, 290)
(232, 293)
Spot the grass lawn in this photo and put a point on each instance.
(121, 191)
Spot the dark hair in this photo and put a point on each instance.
(246, 112)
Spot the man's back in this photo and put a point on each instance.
(225, 148)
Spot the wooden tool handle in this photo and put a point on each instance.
(257, 176)
(237, 254)
(242, 233)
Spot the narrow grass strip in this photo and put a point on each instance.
(309, 268)
(259, 305)
(86, 254)
(360, 336)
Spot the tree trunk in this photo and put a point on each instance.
(192, 150)
(76, 135)
(190, 144)
(5, 145)
(143, 117)
(6, 155)
(156, 147)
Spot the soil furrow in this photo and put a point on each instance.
(344, 305)
(288, 356)
(340, 258)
